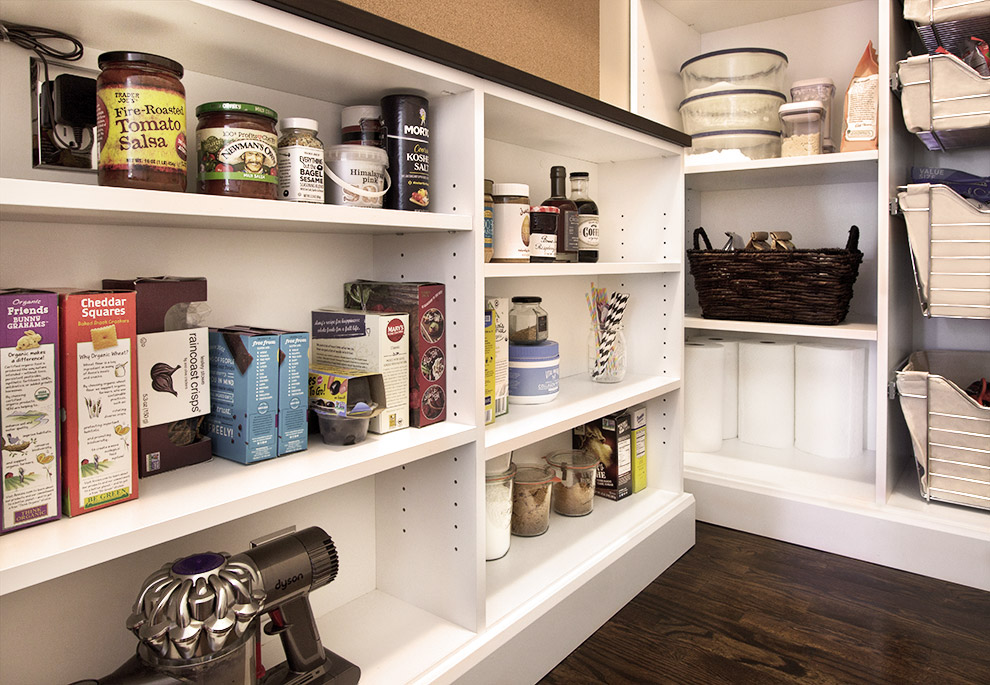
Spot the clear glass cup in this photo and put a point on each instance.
(574, 494)
(531, 500)
(607, 354)
(498, 512)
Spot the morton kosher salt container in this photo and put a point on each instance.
(405, 118)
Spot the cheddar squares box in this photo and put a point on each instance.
(99, 397)
(29, 408)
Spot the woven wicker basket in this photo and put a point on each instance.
(802, 286)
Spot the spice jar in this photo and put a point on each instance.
(543, 234)
(489, 221)
(498, 512)
(531, 500)
(574, 493)
(511, 217)
(528, 321)
(802, 124)
(141, 122)
(237, 147)
(300, 161)
(607, 354)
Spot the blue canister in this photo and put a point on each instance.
(534, 372)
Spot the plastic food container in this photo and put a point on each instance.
(358, 174)
(732, 69)
(498, 512)
(574, 494)
(341, 430)
(803, 124)
(531, 500)
(534, 372)
(717, 146)
(823, 90)
(732, 109)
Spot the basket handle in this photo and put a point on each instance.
(852, 245)
(704, 236)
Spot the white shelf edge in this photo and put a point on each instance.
(177, 503)
(580, 400)
(579, 269)
(842, 331)
(836, 168)
(790, 163)
(44, 201)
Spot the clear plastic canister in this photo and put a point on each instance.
(574, 495)
(802, 124)
(823, 90)
(498, 512)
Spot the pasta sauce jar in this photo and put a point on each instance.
(141, 122)
(237, 150)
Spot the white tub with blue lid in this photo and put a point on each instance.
(534, 372)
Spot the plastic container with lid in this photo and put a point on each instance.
(511, 219)
(237, 150)
(723, 146)
(749, 108)
(141, 122)
(359, 175)
(531, 500)
(543, 234)
(528, 321)
(300, 161)
(498, 512)
(803, 123)
(534, 373)
(736, 68)
(823, 90)
(361, 125)
(574, 493)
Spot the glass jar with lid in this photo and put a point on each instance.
(237, 147)
(498, 512)
(574, 493)
(300, 161)
(803, 125)
(531, 500)
(528, 322)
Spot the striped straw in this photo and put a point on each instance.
(613, 318)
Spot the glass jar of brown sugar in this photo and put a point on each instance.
(141, 122)
(237, 150)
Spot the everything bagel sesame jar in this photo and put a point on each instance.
(237, 150)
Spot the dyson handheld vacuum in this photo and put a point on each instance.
(196, 618)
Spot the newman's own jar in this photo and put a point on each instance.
(141, 122)
(237, 149)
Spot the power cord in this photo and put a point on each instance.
(33, 38)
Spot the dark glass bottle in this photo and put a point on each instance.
(587, 218)
(567, 222)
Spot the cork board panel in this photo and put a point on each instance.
(552, 39)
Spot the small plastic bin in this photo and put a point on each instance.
(803, 128)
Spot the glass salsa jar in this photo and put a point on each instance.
(141, 122)
(237, 150)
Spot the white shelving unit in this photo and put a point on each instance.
(414, 601)
(868, 508)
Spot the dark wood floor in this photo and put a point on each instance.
(738, 608)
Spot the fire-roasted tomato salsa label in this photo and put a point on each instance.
(240, 154)
(141, 127)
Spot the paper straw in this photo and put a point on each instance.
(613, 318)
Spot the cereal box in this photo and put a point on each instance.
(29, 408)
(244, 394)
(368, 341)
(99, 397)
(173, 372)
(291, 420)
(638, 448)
(610, 439)
(424, 302)
(489, 366)
(500, 314)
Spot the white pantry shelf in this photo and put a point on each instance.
(815, 170)
(48, 201)
(184, 501)
(580, 400)
(580, 269)
(849, 330)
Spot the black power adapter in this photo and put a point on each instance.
(75, 100)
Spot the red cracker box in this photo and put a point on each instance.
(424, 302)
(99, 397)
(29, 409)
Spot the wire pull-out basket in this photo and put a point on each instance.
(950, 247)
(950, 431)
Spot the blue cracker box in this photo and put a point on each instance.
(293, 388)
(244, 394)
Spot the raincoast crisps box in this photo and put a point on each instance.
(424, 302)
(99, 397)
(244, 394)
(29, 418)
(368, 341)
